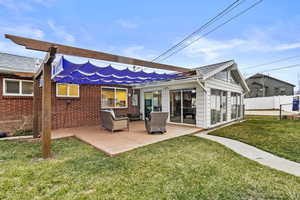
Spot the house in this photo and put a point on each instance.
(209, 96)
(205, 97)
(16, 91)
(264, 86)
(212, 96)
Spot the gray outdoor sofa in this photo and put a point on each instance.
(112, 123)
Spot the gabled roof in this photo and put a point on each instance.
(15, 63)
(208, 71)
(259, 75)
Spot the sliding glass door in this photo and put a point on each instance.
(175, 106)
(152, 102)
(218, 106)
(183, 106)
(189, 106)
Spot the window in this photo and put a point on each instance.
(226, 75)
(16, 87)
(218, 106)
(236, 107)
(282, 91)
(223, 75)
(67, 90)
(112, 97)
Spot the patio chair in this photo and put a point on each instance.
(112, 123)
(157, 122)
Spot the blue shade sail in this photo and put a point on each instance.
(65, 71)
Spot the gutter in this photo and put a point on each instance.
(166, 83)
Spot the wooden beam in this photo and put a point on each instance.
(46, 108)
(74, 51)
(35, 109)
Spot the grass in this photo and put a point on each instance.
(280, 137)
(182, 168)
(23, 133)
(261, 117)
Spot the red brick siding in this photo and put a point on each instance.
(82, 111)
(66, 112)
(13, 107)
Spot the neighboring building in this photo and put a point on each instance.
(210, 96)
(264, 86)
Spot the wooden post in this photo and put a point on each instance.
(35, 109)
(46, 111)
(46, 104)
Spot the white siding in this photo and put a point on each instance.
(213, 83)
(200, 107)
(202, 98)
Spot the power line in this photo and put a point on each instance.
(218, 16)
(277, 69)
(217, 27)
(280, 68)
(271, 62)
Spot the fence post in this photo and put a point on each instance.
(280, 117)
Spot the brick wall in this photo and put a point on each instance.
(66, 112)
(15, 112)
(82, 111)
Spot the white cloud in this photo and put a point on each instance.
(25, 30)
(127, 24)
(211, 49)
(60, 32)
(9, 47)
(288, 46)
(256, 42)
(138, 51)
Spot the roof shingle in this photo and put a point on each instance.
(16, 63)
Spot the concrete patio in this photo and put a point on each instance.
(122, 141)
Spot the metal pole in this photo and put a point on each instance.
(280, 117)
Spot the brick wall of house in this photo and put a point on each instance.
(66, 112)
(15, 112)
(82, 111)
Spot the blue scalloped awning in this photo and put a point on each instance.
(65, 71)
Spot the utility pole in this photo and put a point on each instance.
(264, 92)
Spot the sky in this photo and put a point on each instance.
(145, 29)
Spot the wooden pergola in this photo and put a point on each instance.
(52, 49)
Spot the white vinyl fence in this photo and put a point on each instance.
(269, 103)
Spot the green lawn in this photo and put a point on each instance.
(281, 137)
(182, 168)
(261, 117)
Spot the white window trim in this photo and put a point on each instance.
(20, 81)
(115, 99)
(68, 90)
